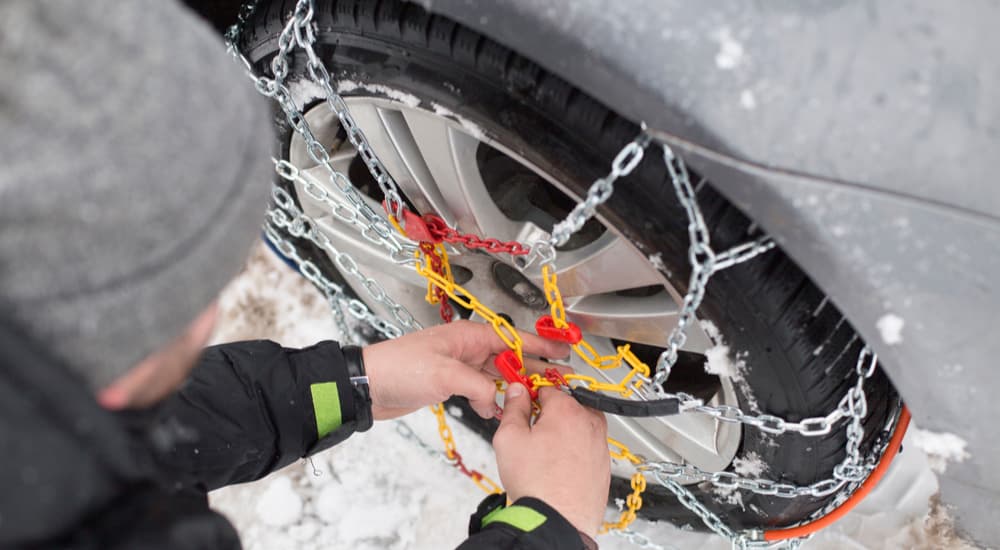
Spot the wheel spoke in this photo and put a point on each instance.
(608, 264)
(689, 437)
(325, 126)
(646, 320)
(416, 180)
(450, 156)
(388, 135)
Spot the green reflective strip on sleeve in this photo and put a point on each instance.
(326, 404)
(522, 517)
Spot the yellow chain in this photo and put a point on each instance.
(445, 431)
(552, 294)
(634, 500)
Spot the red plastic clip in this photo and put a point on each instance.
(415, 226)
(510, 368)
(546, 328)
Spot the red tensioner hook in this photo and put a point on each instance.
(546, 328)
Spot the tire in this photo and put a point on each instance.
(798, 349)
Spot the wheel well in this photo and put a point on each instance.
(218, 13)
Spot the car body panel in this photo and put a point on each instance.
(861, 135)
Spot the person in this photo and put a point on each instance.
(133, 175)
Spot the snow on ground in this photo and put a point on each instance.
(379, 490)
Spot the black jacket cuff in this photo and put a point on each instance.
(527, 523)
(354, 409)
(557, 531)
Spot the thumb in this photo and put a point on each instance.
(516, 408)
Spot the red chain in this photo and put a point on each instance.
(474, 474)
(441, 232)
(447, 313)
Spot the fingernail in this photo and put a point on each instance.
(515, 390)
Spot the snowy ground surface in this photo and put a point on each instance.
(379, 490)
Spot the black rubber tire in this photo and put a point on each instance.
(799, 349)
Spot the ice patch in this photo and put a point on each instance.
(751, 465)
(713, 331)
(940, 448)
(472, 128)
(657, 261)
(730, 53)
(303, 91)
(406, 99)
(719, 363)
(890, 326)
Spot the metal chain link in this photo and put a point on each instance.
(405, 431)
(599, 192)
(296, 223)
(339, 207)
(704, 262)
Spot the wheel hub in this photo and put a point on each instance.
(518, 286)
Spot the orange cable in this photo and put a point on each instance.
(858, 496)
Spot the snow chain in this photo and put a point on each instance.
(416, 242)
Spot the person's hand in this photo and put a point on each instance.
(431, 365)
(562, 459)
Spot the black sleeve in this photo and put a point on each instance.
(527, 524)
(250, 408)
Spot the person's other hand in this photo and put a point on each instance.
(431, 365)
(562, 459)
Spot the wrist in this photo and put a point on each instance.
(358, 376)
